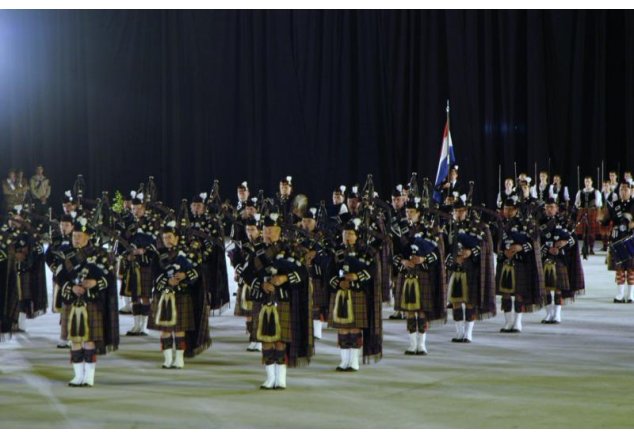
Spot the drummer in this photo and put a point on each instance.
(621, 256)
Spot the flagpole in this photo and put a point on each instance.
(448, 131)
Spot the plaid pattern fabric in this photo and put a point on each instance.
(284, 312)
(523, 282)
(593, 224)
(562, 280)
(184, 314)
(321, 295)
(243, 297)
(147, 281)
(387, 252)
(359, 309)
(428, 288)
(95, 321)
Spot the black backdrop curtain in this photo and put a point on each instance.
(324, 96)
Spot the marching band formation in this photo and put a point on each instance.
(300, 265)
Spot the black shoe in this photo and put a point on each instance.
(506, 331)
(397, 316)
(457, 340)
(514, 331)
(132, 333)
(63, 346)
(340, 369)
(410, 352)
(466, 340)
(142, 333)
(547, 321)
(351, 370)
(628, 301)
(421, 352)
(619, 300)
(124, 311)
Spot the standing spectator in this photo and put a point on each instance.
(12, 195)
(22, 185)
(40, 187)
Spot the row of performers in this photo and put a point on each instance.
(590, 204)
(294, 274)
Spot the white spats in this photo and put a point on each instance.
(317, 329)
(508, 321)
(354, 359)
(345, 359)
(280, 376)
(468, 333)
(557, 314)
(78, 379)
(179, 359)
(517, 324)
(421, 349)
(620, 295)
(22, 322)
(136, 328)
(411, 349)
(168, 358)
(270, 377)
(89, 375)
(143, 325)
(630, 293)
(459, 331)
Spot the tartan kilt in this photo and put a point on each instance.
(359, 310)
(238, 310)
(255, 312)
(184, 314)
(95, 320)
(26, 292)
(386, 270)
(473, 285)
(523, 282)
(147, 282)
(428, 288)
(605, 230)
(284, 312)
(321, 295)
(593, 224)
(562, 280)
(397, 290)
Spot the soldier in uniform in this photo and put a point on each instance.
(519, 274)
(26, 272)
(557, 242)
(318, 259)
(621, 214)
(588, 202)
(279, 283)
(138, 263)
(84, 286)
(421, 279)
(172, 305)
(244, 306)
(469, 261)
(61, 243)
(397, 222)
(351, 292)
